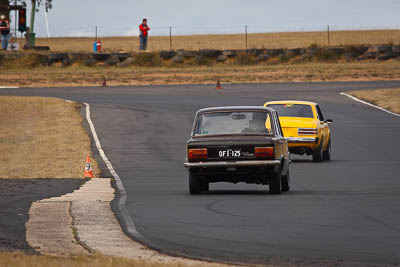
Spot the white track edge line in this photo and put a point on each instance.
(369, 104)
(130, 225)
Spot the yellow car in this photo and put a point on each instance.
(305, 128)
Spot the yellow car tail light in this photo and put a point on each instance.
(264, 152)
(307, 131)
(198, 153)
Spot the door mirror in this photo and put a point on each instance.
(329, 121)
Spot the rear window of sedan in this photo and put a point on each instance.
(222, 123)
(293, 110)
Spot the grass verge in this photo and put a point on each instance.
(78, 75)
(17, 259)
(11, 259)
(386, 98)
(42, 138)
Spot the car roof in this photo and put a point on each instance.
(235, 108)
(291, 102)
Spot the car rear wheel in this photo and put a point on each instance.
(317, 153)
(285, 181)
(275, 183)
(205, 185)
(327, 152)
(194, 184)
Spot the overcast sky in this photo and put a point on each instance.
(122, 17)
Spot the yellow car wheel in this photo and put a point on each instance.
(317, 153)
(327, 152)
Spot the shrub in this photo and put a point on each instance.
(20, 62)
(244, 58)
(326, 55)
(203, 59)
(351, 48)
(146, 59)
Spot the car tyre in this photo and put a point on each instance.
(285, 181)
(275, 185)
(327, 152)
(195, 185)
(317, 154)
(205, 185)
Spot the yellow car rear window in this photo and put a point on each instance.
(293, 110)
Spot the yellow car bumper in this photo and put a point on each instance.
(307, 140)
(310, 142)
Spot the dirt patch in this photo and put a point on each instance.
(42, 138)
(386, 98)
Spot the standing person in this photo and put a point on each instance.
(5, 32)
(144, 28)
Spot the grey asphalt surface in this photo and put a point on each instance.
(346, 210)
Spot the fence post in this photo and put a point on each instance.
(170, 37)
(246, 34)
(328, 36)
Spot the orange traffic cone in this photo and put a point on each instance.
(219, 87)
(88, 169)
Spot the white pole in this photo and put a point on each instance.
(47, 24)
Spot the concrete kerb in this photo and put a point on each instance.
(49, 228)
(71, 224)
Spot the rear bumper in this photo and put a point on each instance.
(309, 140)
(247, 163)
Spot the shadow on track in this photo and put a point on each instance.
(236, 192)
(302, 161)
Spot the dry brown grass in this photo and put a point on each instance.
(386, 98)
(42, 138)
(284, 72)
(228, 41)
(18, 259)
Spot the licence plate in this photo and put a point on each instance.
(229, 153)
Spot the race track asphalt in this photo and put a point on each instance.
(346, 210)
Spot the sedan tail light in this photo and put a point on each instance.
(264, 152)
(198, 153)
(307, 131)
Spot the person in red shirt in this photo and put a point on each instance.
(144, 28)
(5, 31)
